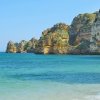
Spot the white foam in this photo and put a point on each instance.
(92, 97)
(50, 91)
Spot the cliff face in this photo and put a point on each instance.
(81, 28)
(11, 47)
(80, 33)
(22, 47)
(54, 40)
(95, 35)
(81, 37)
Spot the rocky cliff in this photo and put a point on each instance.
(22, 47)
(11, 47)
(95, 35)
(81, 27)
(80, 32)
(81, 37)
(54, 40)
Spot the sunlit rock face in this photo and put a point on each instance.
(22, 47)
(11, 47)
(95, 35)
(54, 40)
(31, 45)
(80, 33)
(80, 28)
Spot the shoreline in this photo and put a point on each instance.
(53, 53)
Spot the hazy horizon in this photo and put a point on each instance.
(22, 20)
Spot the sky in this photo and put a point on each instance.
(24, 19)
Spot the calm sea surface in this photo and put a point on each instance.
(49, 77)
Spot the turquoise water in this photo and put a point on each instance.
(49, 77)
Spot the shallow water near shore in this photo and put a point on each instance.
(49, 77)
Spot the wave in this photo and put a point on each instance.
(92, 97)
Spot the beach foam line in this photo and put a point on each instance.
(93, 97)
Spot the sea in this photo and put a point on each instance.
(49, 77)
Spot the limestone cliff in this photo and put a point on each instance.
(80, 33)
(81, 37)
(80, 28)
(54, 40)
(95, 35)
(11, 47)
(21, 47)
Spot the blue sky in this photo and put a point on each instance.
(24, 19)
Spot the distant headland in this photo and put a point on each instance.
(81, 37)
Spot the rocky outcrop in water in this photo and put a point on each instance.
(54, 40)
(22, 47)
(81, 37)
(11, 47)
